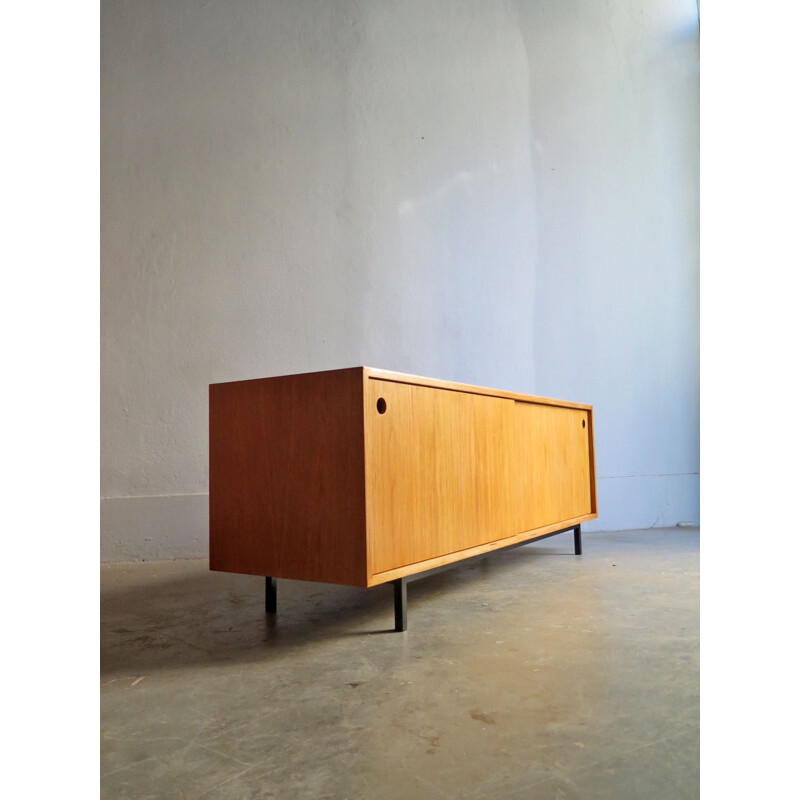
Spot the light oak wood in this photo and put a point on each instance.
(440, 472)
(418, 380)
(460, 555)
(361, 476)
(553, 480)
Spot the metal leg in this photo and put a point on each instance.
(400, 604)
(271, 596)
(578, 545)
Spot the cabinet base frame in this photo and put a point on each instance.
(401, 584)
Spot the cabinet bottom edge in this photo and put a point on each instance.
(437, 561)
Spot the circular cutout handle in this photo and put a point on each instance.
(583, 423)
(381, 406)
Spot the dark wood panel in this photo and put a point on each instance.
(286, 477)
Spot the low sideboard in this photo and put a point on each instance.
(363, 476)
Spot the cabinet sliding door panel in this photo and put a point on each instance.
(553, 464)
(439, 471)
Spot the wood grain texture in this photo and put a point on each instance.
(419, 380)
(529, 536)
(552, 455)
(439, 471)
(309, 480)
(286, 483)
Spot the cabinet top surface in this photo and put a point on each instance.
(373, 373)
(419, 380)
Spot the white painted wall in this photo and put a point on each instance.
(614, 99)
(292, 186)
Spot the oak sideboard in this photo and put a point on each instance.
(363, 476)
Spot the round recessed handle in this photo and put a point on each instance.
(381, 406)
(583, 423)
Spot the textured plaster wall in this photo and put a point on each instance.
(292, 186)
(614, 101)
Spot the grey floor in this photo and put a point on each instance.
(530, 673)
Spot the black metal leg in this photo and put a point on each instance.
(578, 544)
(400, 604)
(271, 596)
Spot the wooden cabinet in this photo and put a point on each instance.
(362, 476)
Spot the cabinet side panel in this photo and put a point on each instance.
(439, 472)
(286, 477)
(592, 465)
(553, 455)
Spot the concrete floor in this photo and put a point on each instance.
(530, 673)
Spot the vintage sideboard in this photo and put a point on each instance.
(363, 476)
